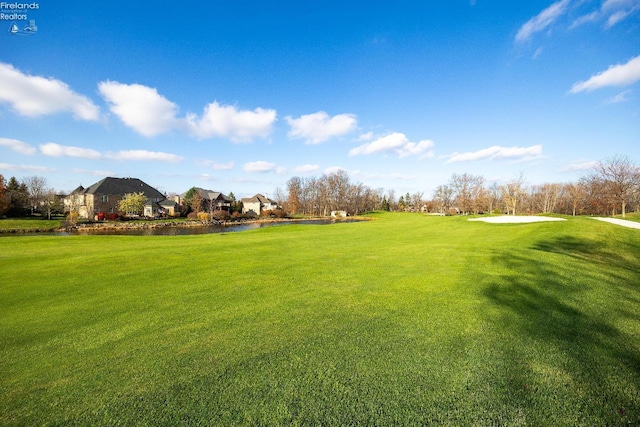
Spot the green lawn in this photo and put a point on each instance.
(406, 320)
(29, 224)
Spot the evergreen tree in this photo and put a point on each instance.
(234, 203)
(19, 197)
(5, 198)
(385, 204)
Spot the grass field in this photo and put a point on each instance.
(404, 320)
(29, 224)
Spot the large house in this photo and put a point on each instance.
(211, 200)
(258, 203)
(104, 195)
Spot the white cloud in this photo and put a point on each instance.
(319, 127)
(611, 11)
(25, 168)
(402, 177)
(333, 169)
(615, 75)
(140, 107)
(395, 142)
(145, 156)
(621, 97)
(262, 167)
(590, 17)
(34, 96)
(498, 152)
(229, 122)
(214, 165)
(92, 172)
(17, 146)
(147, 112)
(57, 150)
(542, 20)
(618, 10)
(537, 53)
(580, 165)
(223, 166)
(207, 177)
(366, 136)
(413, 149)
(306, 168)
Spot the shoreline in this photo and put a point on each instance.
(153, 224)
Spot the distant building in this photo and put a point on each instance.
(104, 195)
(258, 203)
(211, 200)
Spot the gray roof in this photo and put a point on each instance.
(78, 190)
(209, 195)
(122, 186)
(258, 198)
(167, 203)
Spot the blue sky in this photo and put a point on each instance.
(240, 96)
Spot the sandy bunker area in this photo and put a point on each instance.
(622, 222)
(505, 219)
(515, 219)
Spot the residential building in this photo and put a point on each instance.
(104, 195)
(258, 203)
(211, 200)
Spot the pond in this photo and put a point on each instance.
(182, 230)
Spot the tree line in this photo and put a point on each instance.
(333, 192)
(29, 196)
(611, 187)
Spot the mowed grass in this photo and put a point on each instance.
(29, 224)
(404, 320)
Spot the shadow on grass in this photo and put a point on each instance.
(568, 310)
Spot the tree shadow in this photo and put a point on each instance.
(569, 307)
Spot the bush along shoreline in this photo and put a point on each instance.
(67, 226)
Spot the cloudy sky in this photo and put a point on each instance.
(239, 96)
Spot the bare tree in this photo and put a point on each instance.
(576, 194)
(620, 178)
(196, 201)
(36, 187)
(416, 200)
(511, 194)
(493, 197)
(319, 196)
(51, 202)
(443, 197)
(280, 197)
(294, 190)
(468, 191)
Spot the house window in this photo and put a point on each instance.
(105, 198)
(110, 210)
